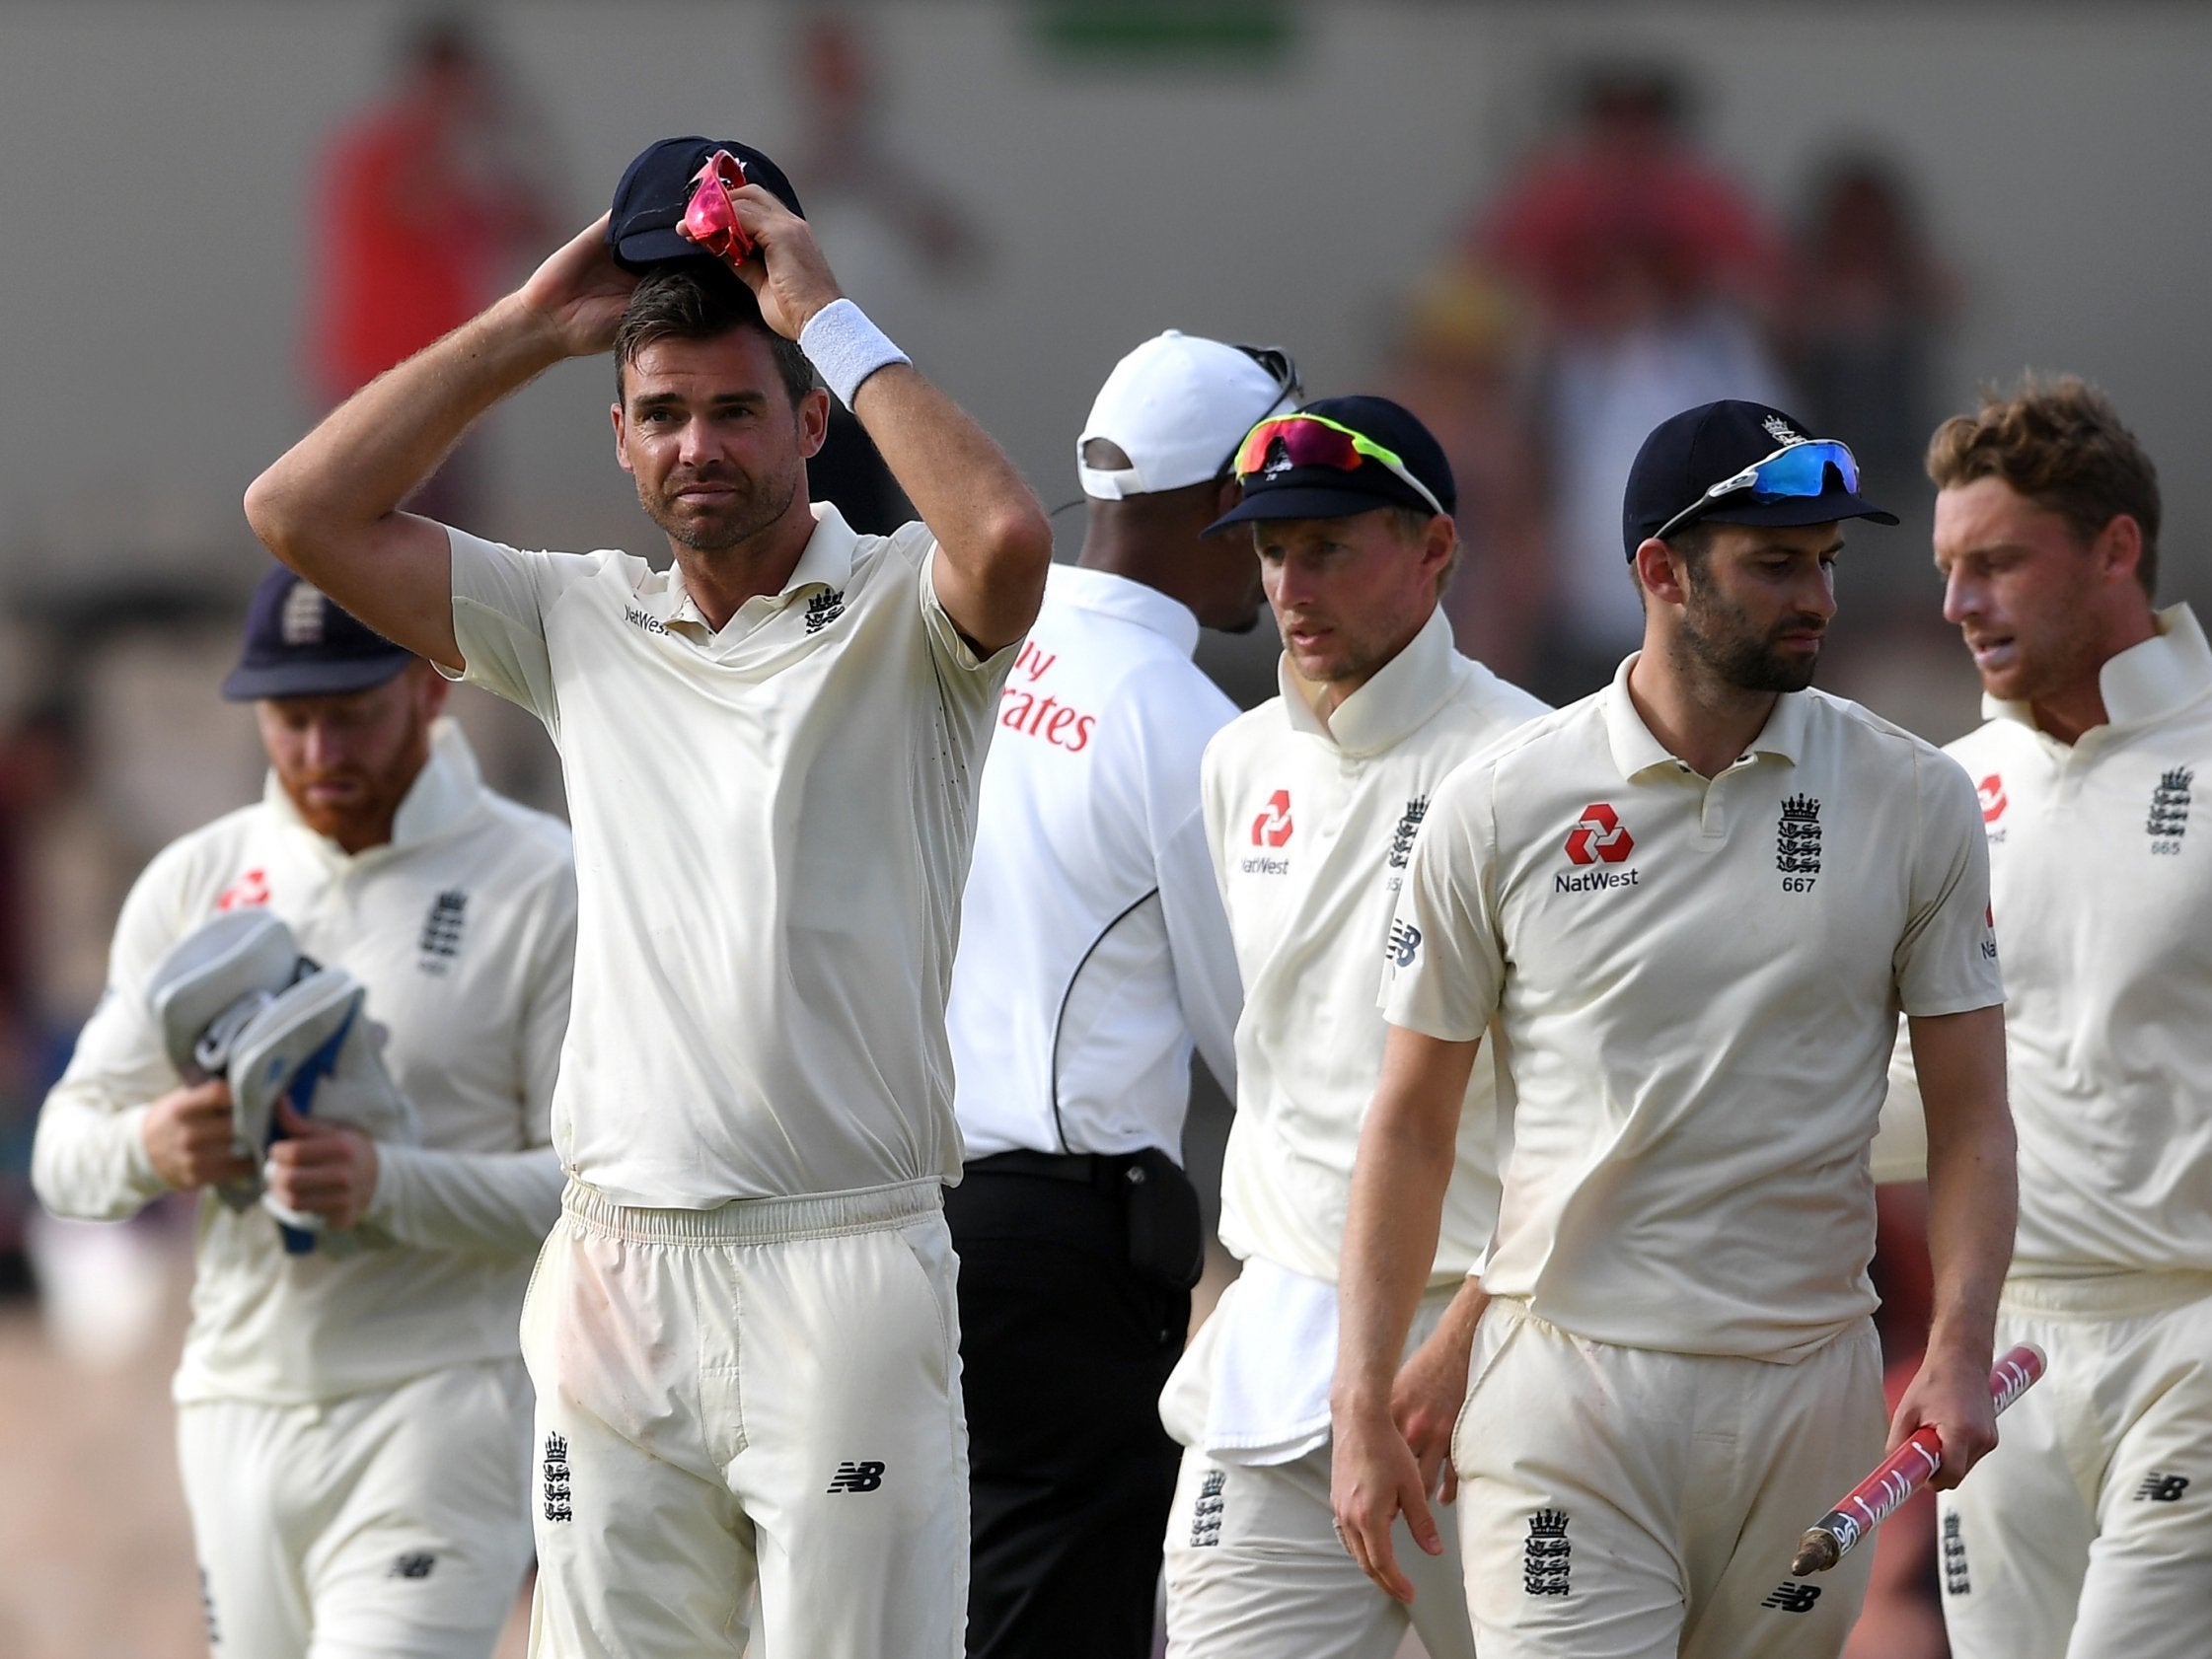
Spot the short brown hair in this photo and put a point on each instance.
(2060, 444)
(701, 300)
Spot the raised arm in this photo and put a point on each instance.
(993, 541)
(329, 507)
(1398, 1180)
(1972, 1210)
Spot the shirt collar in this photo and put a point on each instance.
(1104, 593)
(1635, 750)
(2166, 672)
(441, 795)
(1396, 701)
(826, 561)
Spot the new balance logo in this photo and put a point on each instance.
(415, 1566)
(1546, 1563)
(2161, 1489)
(1403, 946)
(856, 1478)
(1955, 1581)
(207, 1611)
(1791, 1597)
(1206, 1516)
(556, 1469)
(821, 611)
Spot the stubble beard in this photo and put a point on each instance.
(716, 531)
(1720, 639)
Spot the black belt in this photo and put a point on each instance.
(1082, 1169)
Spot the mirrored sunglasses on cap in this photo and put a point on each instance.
(1312, 440)
(1794, 472)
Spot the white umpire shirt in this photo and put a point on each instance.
(1093, 948)
(772, 824)
(462, 928)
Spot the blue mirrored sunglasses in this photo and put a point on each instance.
(1796, 471)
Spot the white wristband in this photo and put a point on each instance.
(845, 348)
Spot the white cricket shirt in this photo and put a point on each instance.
(1696, 985)
(1093, 947)
(772, 825)
(1312, 825)
(463, 929)
(2101, 876)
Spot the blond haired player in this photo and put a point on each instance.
(2090, 1529)
(743, 1331)
(1689, 907)
(1312, 801)
(353, 1428)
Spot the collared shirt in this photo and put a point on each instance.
(462, 928)
(772, 824)
(1695, 984)
(1313, 823)
(2101, 875)
(1093, 946)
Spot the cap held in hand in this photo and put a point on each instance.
(657, 189)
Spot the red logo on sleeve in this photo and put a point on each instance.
(1991, 790)
(1598, 837)
(250, 888)
(1272, 828)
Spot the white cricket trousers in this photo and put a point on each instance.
(765, 1392)
(383, 1525)
(2089, 1529)
(1627, 1504)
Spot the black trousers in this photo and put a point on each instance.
(1065, 1349)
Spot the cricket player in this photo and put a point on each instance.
(1690, 907)
(353, 1427)
(2090, 1529)
(743, 1331)
(1093, 953)
(1312, 804)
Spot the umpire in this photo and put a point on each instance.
(1093, 951)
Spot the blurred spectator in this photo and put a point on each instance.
(1651, 275)
(1868, 298)
(418, 203)
(38, 769)
(1458, 366)
(849, 171)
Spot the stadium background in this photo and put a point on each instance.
(1261, 170)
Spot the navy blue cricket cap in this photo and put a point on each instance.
(1281, 489)
(656, 187)
(1687, 453)
(300, 644)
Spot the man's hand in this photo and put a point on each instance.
(788, 274)
(579, 292)
(1952, 1392)
(1374, 1476)
(1426, 1398)
(322, 1167)
(187, 1136)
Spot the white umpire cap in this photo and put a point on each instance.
(1177, 406)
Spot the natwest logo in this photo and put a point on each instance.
(1272, 828)
(250, 888)
(1991, 791)
(1600, 837)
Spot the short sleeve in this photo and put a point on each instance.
(1445, 962)
(501, 598)
(1900, 1143)
(1947, 961)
